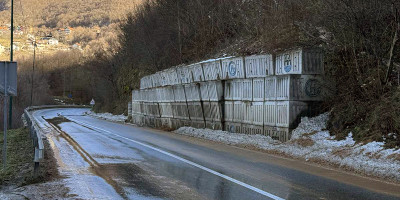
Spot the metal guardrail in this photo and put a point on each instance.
(36, 132)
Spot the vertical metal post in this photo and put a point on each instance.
(36, 169)
(5, 117)
(12, 30)
(222, 102)
(11, 53)
(10, 113)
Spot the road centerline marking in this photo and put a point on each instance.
(257, 190)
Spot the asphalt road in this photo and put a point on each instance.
(105, 160)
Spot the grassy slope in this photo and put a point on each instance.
(19, 170)
(19, 157)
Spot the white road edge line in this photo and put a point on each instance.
(262, 192)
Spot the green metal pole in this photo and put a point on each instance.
(5, 119)
(12, 30)
(11, 59)
(5, 91)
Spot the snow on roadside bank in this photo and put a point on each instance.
(108, 116)
(312, 142)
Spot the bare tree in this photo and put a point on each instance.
(3, 5)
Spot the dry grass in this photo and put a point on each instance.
(303, 141)
(342, 152)
(19, 166)
(166, 128)
(20, 153)
(394, 156)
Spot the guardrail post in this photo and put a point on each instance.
(36, 170)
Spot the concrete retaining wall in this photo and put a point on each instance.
(258, 94)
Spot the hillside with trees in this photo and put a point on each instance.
(359, 37)
(93, 25)
(66, 13)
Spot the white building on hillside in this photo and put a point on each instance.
(48, 41)
(53, 41)
(2, 49)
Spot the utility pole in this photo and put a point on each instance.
(11, 58)
(58, 64)
(33, 70)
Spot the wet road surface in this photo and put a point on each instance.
(105, 160)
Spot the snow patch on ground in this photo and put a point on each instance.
(312, 142)
(108, 116)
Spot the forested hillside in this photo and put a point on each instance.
(93, 26)
(66, 13)
(359, 37)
